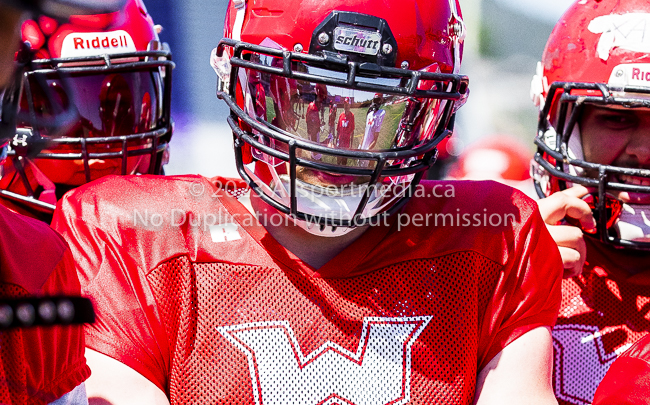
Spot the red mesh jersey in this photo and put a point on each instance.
(603, 313)
(37, 365)
(628, 380)
(221, 313)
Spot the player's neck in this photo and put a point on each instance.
(311, 249)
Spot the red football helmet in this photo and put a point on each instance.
(597, 55)
(10, 89)
(396, 64)
(110, 77)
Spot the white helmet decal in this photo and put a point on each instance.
(628, 31)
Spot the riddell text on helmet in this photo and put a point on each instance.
(638, 74)
(97, 43)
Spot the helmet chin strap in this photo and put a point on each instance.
(324, 231)
(48, 194)
(279, 191)
(633, 223)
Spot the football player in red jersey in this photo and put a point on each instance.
(313, 282)
(117, 74)
(315, 112)
(38, 365)
(345, 130)
(627, 381)
(594, 154)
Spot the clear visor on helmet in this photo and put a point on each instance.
(334, 124)
(118, 118)
(109, 104)
(338, 117)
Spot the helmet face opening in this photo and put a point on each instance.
(559, 161)
(108, 104)
(333, 166)
(309, 111)
(122, 109)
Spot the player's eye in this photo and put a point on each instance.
(617, 121)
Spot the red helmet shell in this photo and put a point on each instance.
(133, 19)
(294, 21)
(593, 37)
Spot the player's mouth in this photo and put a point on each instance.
(629, 196)
(634, 180)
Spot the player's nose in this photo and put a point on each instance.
(639, 147)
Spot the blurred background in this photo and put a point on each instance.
(505, 39)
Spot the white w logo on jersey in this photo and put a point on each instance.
(581, 362)
(378, 373)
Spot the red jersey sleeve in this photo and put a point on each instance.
(127, 327)
(627, 381)
(38, 365)
(58, 361)
(528, 292)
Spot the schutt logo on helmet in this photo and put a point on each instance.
(358, 41)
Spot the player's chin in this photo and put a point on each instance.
(328, 179)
